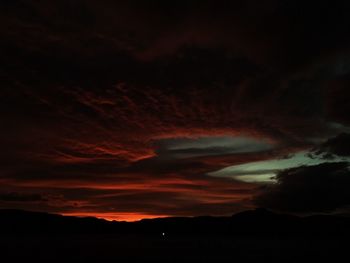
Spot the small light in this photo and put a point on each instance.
(163, 234)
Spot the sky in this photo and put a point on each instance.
(126, 110)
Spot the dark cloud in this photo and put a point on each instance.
(339, 145)
(21, 197)
(308, 189)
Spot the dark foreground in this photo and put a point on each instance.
(257, 236)
(170, 249)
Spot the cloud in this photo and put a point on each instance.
(335, 146)
(21, 197)
(209, 146)
(308, 189)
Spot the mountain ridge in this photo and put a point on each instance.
(251, 222)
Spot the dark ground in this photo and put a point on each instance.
(253, 236)
(104, 248)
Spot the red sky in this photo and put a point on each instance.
(125, 111)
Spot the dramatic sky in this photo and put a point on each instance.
(135, 109)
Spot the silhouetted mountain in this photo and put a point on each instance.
(251, 236)
(254, 222)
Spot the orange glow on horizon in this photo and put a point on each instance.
(113, 216)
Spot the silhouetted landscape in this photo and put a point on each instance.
(250, 236)
(174, 131)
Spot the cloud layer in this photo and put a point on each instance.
(112, 107)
